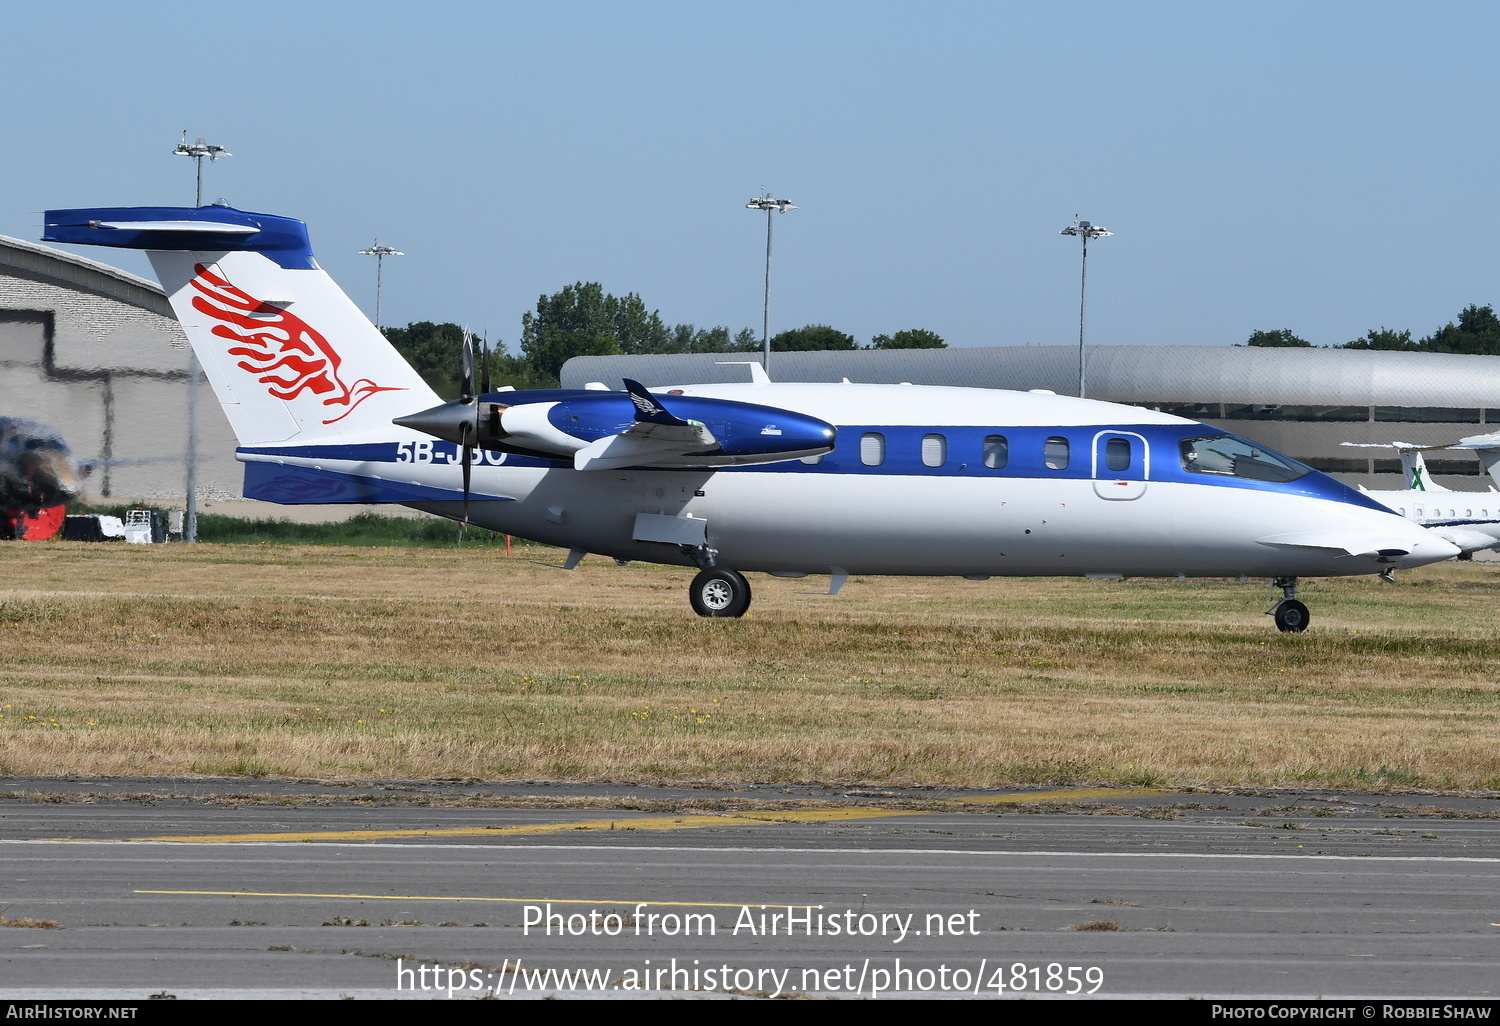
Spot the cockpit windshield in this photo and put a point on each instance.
(1233, 456)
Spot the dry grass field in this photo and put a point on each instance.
(332, 662)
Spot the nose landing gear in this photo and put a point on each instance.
(1291, 615)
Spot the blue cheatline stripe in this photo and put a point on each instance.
(292, 485)
(964, 457)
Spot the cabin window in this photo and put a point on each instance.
(934, 450)
(996, 452)
(1055, 453)
(1117, 454)
(872, 449)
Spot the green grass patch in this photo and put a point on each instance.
(360, 530)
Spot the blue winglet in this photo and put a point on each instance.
(647, 408)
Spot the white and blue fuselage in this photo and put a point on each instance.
(788, 479)
(921, 480)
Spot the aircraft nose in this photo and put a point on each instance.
(1421, 547)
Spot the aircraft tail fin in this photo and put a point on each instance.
(1413, 466)
(289, 355)
(1414, 471)
(1491, 460)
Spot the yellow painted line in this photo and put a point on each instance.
(464, 897)
(653, 823)
(1062, 796)
(656, 823)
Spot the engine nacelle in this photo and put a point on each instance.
(631, 428)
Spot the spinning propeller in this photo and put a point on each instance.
(468, 426)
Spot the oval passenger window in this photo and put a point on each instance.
(934, 450)
(1055, 453)
(996, 452)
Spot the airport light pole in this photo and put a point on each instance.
(198, 151)
(770, 205)
(1086, 231)
(379, 252)
(213, 152)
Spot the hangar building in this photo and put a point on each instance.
(96, 354)
(1303, 402)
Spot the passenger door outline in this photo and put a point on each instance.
(1129, 483)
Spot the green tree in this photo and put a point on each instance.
(911, 338)
(1476, 333)
(435, 351)
(811, 337)
(1283, 339)
(584, 320)
(1382, 338)
(515, 371)
(689, 338)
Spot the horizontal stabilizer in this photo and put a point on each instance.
(1490, 441)
(208, 227)
(216, 228)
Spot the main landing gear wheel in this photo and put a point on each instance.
(1292, 615)
(720, 592)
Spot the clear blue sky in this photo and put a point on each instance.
(1324, 167)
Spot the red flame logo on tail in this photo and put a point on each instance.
(288, 355)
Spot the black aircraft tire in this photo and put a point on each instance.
(719, 592)
(1292, 616)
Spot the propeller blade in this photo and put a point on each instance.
(468, 382)
(467, 432)
(484, 378)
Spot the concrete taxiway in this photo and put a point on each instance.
(200, 887)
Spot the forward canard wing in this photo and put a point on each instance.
(1361, 546)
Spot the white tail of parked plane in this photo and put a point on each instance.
(270, 328)
(1487, 448)
(1414, 469)
(1413, 466)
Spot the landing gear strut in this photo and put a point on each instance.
(718, 591)
(1291, 615)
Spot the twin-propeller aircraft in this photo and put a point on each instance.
(785, 479)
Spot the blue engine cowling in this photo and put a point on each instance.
(649, 429)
